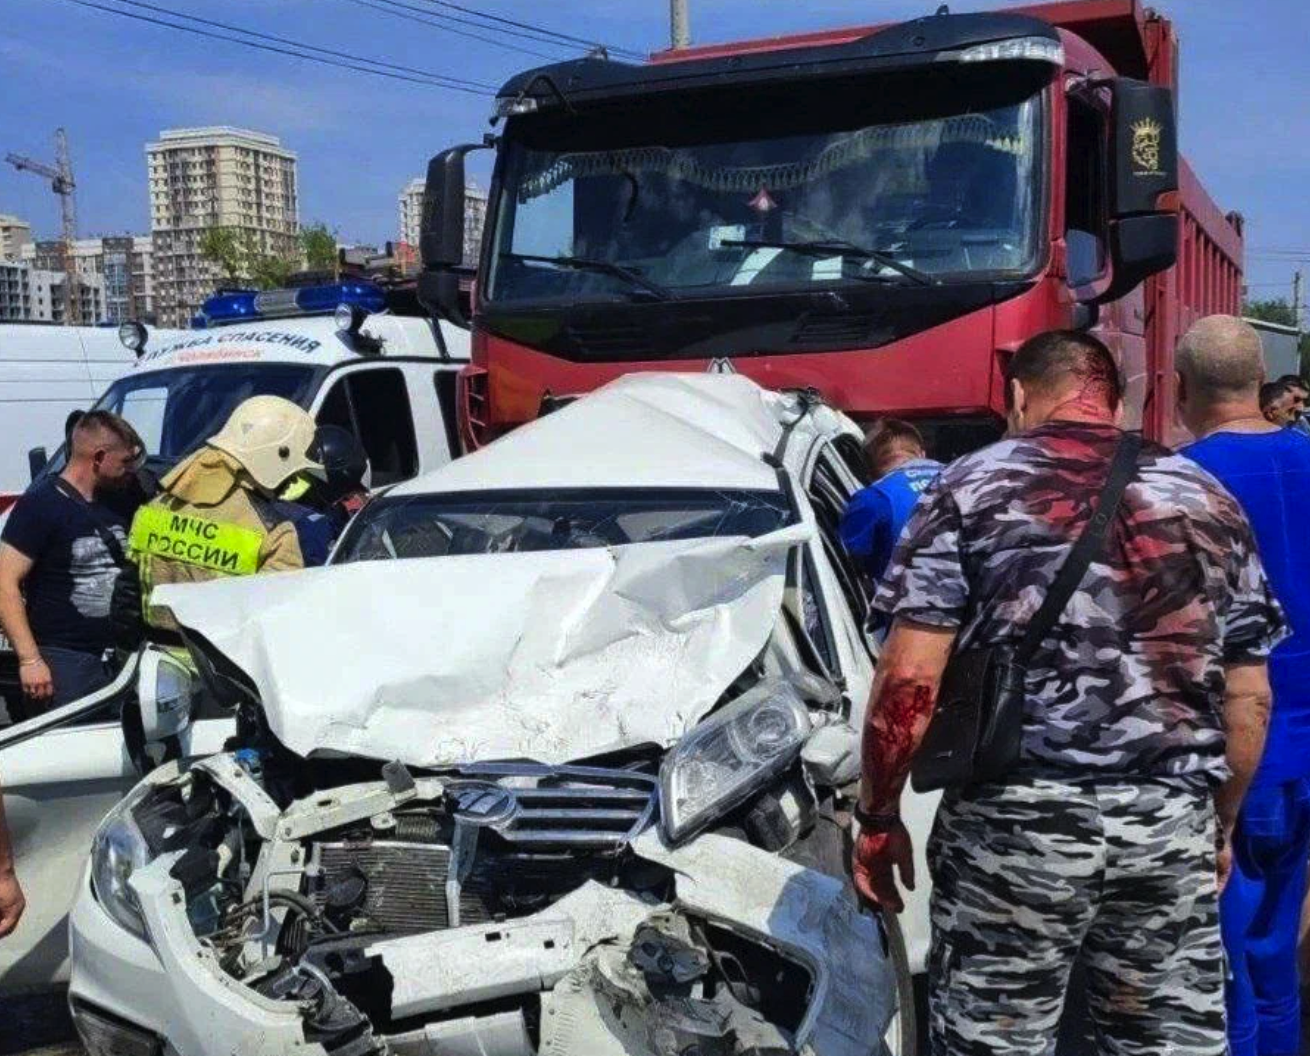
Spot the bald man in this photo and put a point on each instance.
(1267, 468)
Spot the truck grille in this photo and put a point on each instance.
(608, 339)
(834, 330)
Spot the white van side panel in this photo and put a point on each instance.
(45, 373)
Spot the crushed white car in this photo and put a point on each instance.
(551, 760)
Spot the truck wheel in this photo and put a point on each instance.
(902, 1037)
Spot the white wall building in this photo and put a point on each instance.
(36, 295)
(15, 291)
(14, 235)
(215, 177)
(475, 217)
(411, 211)
(119, 264)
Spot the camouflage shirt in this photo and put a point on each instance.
(1130, 680)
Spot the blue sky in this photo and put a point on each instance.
(114, 84)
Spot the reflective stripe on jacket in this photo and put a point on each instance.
(210, 521)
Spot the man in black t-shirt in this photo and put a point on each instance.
(61, 552)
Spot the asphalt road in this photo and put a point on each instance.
(40, 1026)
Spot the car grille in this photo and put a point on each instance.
(571, 807)
(568, 826)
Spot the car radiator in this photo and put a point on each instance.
(568, 825)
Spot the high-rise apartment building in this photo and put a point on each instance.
(411, 211)
(120, 265)
(475, 217)
(215, 177)
(14, 234)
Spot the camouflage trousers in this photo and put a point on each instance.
(1030, 876)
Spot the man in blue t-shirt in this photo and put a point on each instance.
(1267, 468)
(61, 552)
(876, 514)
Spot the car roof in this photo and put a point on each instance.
(311, 340)
(658, 430)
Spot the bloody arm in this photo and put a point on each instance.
(900, 707)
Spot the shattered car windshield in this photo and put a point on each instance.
(490, 522)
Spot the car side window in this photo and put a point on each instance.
(386, 423)
(851, 452)
(829, 494)
(336, 408)
(374, 405)
(814, 620)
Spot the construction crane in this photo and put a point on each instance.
(60, 175)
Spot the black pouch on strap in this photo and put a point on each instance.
(976, 731)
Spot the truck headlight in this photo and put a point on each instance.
(730, 756)
(117, 851)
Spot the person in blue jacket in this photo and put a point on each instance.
(876, 514)
(320, 510)
(1267, 468)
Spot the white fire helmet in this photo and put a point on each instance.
(272, 438)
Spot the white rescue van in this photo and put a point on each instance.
(47, 372)
(340, 351)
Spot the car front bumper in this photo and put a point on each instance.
(173, 988)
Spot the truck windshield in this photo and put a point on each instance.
(178, 409)
(521, 521)
(950, 195)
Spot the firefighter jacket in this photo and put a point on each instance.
(209, 521)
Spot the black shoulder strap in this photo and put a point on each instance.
(1123, 467)
(116, 552)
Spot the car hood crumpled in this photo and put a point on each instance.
(550, 656)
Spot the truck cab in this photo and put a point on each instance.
(883, 213)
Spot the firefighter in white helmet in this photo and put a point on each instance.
(223, 510)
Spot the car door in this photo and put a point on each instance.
(829, 484)
(61, 773)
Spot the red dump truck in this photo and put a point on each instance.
(881, 213)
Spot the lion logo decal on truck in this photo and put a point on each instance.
(1146, 147)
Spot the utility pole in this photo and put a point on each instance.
(680, 23)
(1296, 300)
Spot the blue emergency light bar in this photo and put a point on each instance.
(251, 305)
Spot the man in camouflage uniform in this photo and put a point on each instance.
(1146, 708)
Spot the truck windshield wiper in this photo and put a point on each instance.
(827, 248)
(605, 267)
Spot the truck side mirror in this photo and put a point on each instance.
(1143, 182)
(37, 458)
(441, 237)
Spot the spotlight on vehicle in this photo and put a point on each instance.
(133, 335)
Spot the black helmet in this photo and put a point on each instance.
(343, 458)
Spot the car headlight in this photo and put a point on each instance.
(117, 851)
(730, 756)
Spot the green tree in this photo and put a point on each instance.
(225, 247)
(268, 271)
(1275, 310)
(319, 246)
